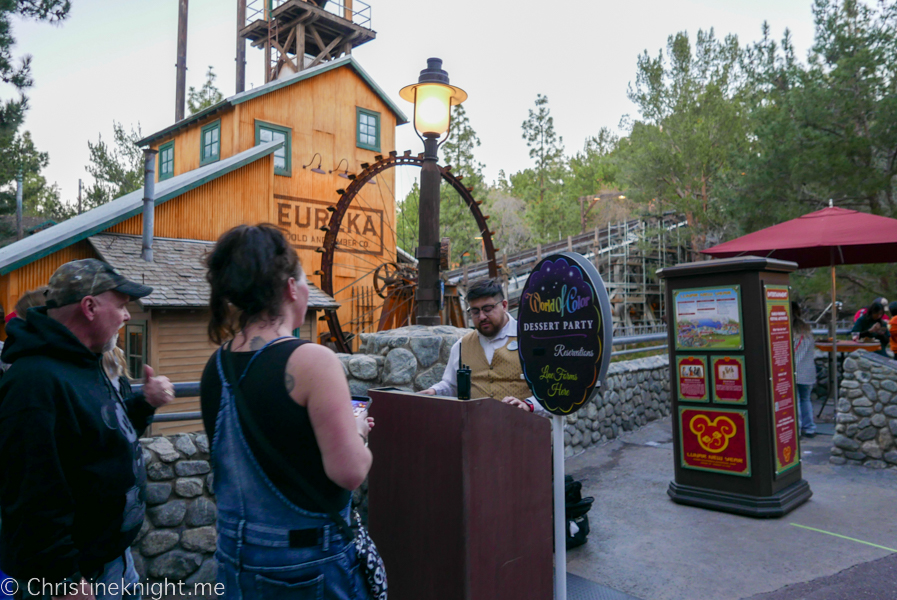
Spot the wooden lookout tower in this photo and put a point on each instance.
(300, 34)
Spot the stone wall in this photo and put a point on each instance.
(413, 358)
(637, 391)
(178, 537)
(866, 413)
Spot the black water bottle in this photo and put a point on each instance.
(464, 383)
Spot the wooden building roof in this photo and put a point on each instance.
(177, 272)
(67, 233)
(272, 86)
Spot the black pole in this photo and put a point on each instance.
(428, 251)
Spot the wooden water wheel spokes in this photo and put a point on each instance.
(342, 234)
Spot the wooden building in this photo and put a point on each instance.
(247, 159)
(332, 118)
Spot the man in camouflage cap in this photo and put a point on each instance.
(89, 277)
(73, 482)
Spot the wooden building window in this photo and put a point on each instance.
(368, 129)
(268, 132)
(135, 348)
(166, 161)
(210, 143)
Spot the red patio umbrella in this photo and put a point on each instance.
(828, 237)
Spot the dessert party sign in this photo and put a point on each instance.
(564, 332)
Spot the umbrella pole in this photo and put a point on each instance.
(833, 356)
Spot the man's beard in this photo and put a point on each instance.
(493, 331)
(108, 346)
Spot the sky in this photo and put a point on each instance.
(115, 61)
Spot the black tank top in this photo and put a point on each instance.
(283, 422)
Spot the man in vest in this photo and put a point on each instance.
(490, 351)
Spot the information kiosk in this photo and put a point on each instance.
(735, 430)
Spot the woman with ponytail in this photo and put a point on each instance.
(286, 447)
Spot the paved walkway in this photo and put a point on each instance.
(643, 544)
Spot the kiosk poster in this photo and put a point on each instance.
(691, 373)
(564, 332)
(778, 318)
(728, 379)
(714, 440)
(708, 319)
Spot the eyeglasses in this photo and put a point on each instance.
(486, 310)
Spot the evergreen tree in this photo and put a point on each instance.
(692, 125)
(827, 129)
(206, 96)
(408, 219)
(12, 111)
(455, 219)
(17, 150)
(117, 170)
(547, 212)
(594, 171)
(39, 198)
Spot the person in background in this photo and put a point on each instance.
(30, 299)
(295, 396)
(873, 325)
(892, 326)
(116, 368)
(490, 351)
(804, 369)
(881, 300)
(73, 482)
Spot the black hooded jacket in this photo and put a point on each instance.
(72, 477)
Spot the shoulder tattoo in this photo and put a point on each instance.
(289, 382)
(257, 343)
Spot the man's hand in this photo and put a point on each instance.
(428, 392)
(516, 402)
(158, 391)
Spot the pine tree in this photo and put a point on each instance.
(206, 96)
(455, 219)
(117, 170)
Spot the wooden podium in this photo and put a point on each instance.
(460, 498)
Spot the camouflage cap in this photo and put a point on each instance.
(90, 277)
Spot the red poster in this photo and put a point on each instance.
(728, 379)
(691, 373)
(714, 440)
(778, 315)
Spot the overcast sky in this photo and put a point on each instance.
(114, 60)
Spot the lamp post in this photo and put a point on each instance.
(433, 99)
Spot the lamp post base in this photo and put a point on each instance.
(429, 321)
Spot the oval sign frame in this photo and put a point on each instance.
(565, 356)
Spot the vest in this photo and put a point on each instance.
(500, 379)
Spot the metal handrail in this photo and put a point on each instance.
(191, 389)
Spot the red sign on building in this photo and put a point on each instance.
(714, 440)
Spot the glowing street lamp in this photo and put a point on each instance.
(433, 99)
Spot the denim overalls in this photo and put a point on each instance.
(255, 558)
